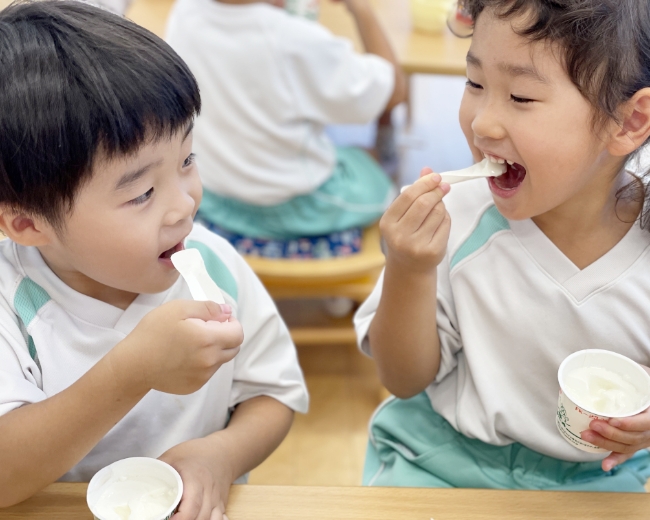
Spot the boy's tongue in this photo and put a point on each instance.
(512, 178)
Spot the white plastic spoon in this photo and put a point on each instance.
(192, 268)
(485, 168)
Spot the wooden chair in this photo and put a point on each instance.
(351, 277)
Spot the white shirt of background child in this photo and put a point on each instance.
(270, 82)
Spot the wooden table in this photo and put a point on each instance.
(68, 502)
(417, 52)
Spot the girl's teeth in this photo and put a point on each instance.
(511, 162)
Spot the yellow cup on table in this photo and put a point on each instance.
(430, 15)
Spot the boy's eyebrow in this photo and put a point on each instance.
(511, 69)
(189, 129)
(131, 177)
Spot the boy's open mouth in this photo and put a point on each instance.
(512, 178)
(167, 254)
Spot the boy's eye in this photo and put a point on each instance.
(518, 99)
(471, 84)
(189, 161)
(142, 198)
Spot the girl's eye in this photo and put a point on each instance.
(517, 99)
(471, 84)
(142, 198)
(189, 161)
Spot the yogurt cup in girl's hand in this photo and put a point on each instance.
(138, 488)
(598, 384)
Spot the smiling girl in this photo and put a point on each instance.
(484, 295)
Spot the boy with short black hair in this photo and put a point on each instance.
(103, 355)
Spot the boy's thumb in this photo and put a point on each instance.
(211, 311)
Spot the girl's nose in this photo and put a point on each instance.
(487, 123)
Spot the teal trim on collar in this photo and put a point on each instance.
(491, 222)
(216, 269)
(29, 298)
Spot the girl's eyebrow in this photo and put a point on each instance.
(511, 69)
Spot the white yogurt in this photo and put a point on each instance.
(136, 488)
(135, 498)
(603, 391)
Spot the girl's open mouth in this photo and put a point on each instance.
(511, 179)
(166, 255)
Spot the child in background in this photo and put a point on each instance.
(270, 83)
(484, 295)
(103, 354)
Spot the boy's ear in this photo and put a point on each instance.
(634, 129)
(22, 228)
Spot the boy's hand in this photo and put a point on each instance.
(624, 437)
(177, 347)
(206, 481)
(416, 226)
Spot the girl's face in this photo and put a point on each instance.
(520, 105)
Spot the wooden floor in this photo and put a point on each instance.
(326, 447)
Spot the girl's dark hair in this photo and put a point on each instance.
(74, 80)
(605, 46)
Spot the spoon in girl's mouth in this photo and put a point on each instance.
(485, 168)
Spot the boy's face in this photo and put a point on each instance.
(520, 105)
(127, 220)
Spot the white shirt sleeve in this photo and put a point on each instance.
(330, 82)
(450, 341)
(267, 363)
(20, 377)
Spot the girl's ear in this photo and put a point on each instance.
(635, 127)
(24, 229)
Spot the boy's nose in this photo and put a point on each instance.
(182, 208)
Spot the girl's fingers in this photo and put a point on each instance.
(403, 202)
(636, 423)
(607, 444)
(616, 434)
(613, 460)
(432, 222)
(425, 171)
(420, 210)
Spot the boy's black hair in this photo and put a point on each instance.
(605, 48)
(76, 80)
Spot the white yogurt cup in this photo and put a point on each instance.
(120, 490)
(574, 417)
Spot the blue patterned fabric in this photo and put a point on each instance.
(339, 244)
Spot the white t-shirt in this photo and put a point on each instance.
(511, 307)
(269, 84)
(50, 335)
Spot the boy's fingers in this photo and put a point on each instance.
(227, 335)
(190, 505)
(202, 310)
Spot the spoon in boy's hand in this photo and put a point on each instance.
(485, 168)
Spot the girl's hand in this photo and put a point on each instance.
(624, 437)
(206, 483)
(416, 226)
